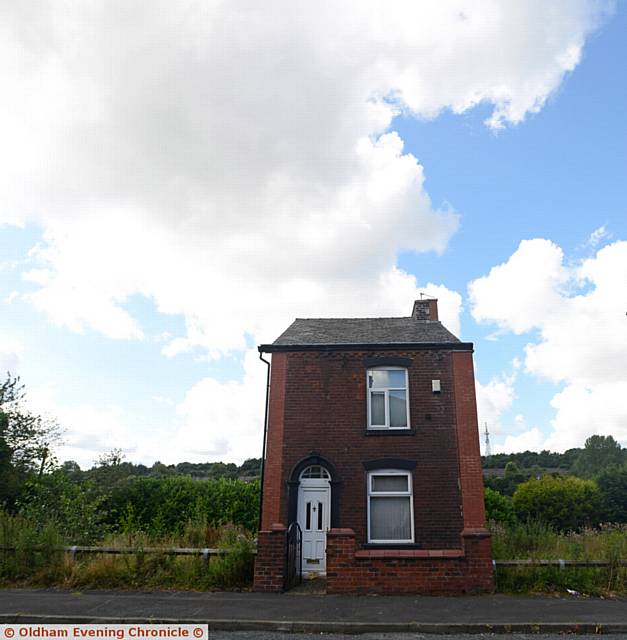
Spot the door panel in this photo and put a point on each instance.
(313, 518)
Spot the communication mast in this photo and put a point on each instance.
(488, 452)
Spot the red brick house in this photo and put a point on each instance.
(372, 447)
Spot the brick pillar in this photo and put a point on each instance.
(340, 560)
(273, 485)
(470, 474)
(475, 537)
(270, 560)
(478, 552)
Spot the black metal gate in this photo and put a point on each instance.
(294, 558)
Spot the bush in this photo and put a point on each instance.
(498, 508)
(73, 509)
(565, 503)
(613, 485)
(166, 505)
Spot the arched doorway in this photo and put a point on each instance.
(314, 516)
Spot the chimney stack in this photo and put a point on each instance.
(425, 309)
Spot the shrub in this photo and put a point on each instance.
(166, 505)
(613, 485)
(565, 503)
(74, 509)
(498, 507)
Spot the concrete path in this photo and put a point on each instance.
(319, 613)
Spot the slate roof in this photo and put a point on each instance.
(366, 331)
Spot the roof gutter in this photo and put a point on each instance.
(383, 346)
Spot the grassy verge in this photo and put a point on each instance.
(36, 562)
(537, 541)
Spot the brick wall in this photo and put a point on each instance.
(430, 572)
(471, 477)
(270, 560)
(318, 408)
(318, 405)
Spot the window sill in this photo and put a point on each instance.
(409, 553)
(392, 545)
(390, 432)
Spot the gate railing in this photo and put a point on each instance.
(294, 556)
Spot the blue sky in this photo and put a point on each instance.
(165, 210)
(560, 176)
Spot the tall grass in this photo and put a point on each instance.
(35, 550)
(537, 540)
(36, 562)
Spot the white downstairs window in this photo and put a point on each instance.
(388, 400)
(390, 507)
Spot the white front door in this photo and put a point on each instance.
(314, 520)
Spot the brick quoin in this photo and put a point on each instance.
(317, 407)
(273, 485)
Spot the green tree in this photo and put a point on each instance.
(250, 467)
(565, 503)
(512, 477)
(612, 482)
(160, 469)
(598, 452)
(75, 509)
(27, 441)
(72, 470)
(498, 507)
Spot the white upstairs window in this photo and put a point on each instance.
(388, 400)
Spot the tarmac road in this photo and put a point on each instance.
(240, 616)
(263, 635)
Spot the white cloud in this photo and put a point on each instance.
(520, 293)
(227, 157)
(585, 410)
(236, 162)
(530, 440)
(10, 353)
(599, 234)
(493, 399)
(223, 420)
(579, 314)
(214, 421)
(89, 431)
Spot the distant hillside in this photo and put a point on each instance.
(528, 459)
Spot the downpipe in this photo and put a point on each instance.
(265, 434)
